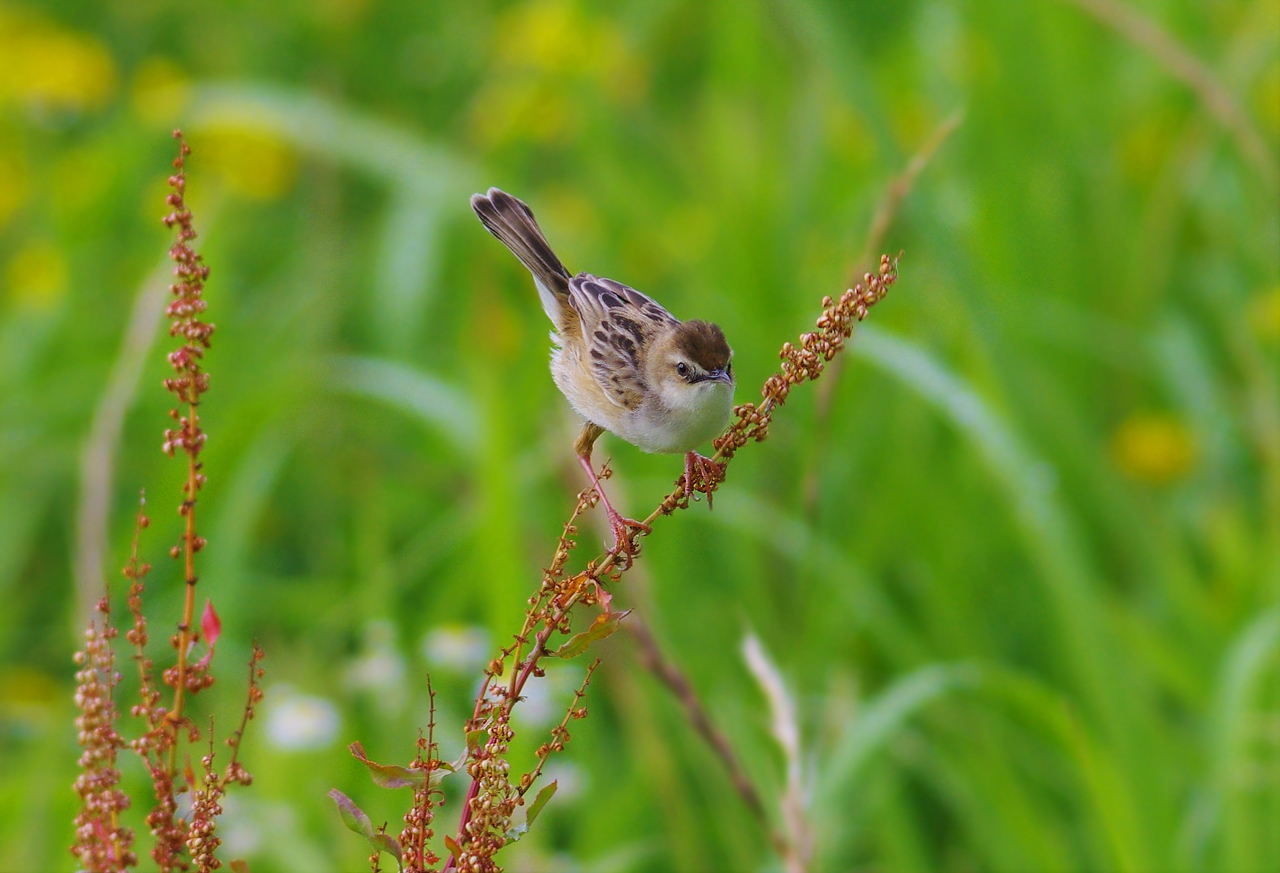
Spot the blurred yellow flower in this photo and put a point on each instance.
(1153, 448)
(37, 276)
(569, 211)
(542, 35)
(520, 110)
(250, 161)
(26, 692)
(340, 13)
(542, 50)
(1264, 315)
(554, 36)
(13, 184)
(50, 66)
(159, 92)
(1266, 96)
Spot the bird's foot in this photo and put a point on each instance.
(624, 529)
(624, 533)
(701, 474)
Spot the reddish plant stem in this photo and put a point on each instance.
(666, 672)
(518, 679)
(189, 564)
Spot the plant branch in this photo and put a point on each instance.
(670, 675)
(1188, 69)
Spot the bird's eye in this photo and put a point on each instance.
(682, 368)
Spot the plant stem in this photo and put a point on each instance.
(666, 672)
(189, 556)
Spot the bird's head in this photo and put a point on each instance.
(692, 364)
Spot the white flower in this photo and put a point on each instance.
(456, 648)
(380, 668)
(298, 722)
(547, 698)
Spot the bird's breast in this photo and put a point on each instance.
(676, 428)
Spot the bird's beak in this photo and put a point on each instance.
(719, 374)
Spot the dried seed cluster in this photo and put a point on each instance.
(102, 843)
(805, 362)
(415, 837)
(179, 842)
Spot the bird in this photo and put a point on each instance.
(625, 364)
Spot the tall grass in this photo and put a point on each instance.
(1019, 570)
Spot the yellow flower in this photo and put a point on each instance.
(27, 694)
(1266, 96)
(1153, 448)
(544, 36)
(250, 161)
(543, 51)
(13, 184)
(516, 110)
(158, 93)
(1264, 315)
(37, 276)
(50, 66)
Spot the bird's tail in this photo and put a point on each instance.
(513, 224)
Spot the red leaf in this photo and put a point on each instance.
(210, 624)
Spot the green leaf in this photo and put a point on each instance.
(543, 796)
(389, 775)
(604, 626)
(389, 844)
(357, 821)
(352, 816)
(884, 717)
(525, 816)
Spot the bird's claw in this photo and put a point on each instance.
(624, 532)
(701, 474)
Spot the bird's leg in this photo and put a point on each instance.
(620, 525)
(710, 474)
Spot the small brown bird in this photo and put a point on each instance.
(626, 365)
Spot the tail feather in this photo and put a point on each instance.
(512, 222)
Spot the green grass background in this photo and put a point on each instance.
(1021, 573)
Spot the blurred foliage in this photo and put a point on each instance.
(1021, 569)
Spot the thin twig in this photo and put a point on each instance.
(670, 675)
(897, 190)
(1188, 69)
(886, 211)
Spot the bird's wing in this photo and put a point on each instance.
(618, 324)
